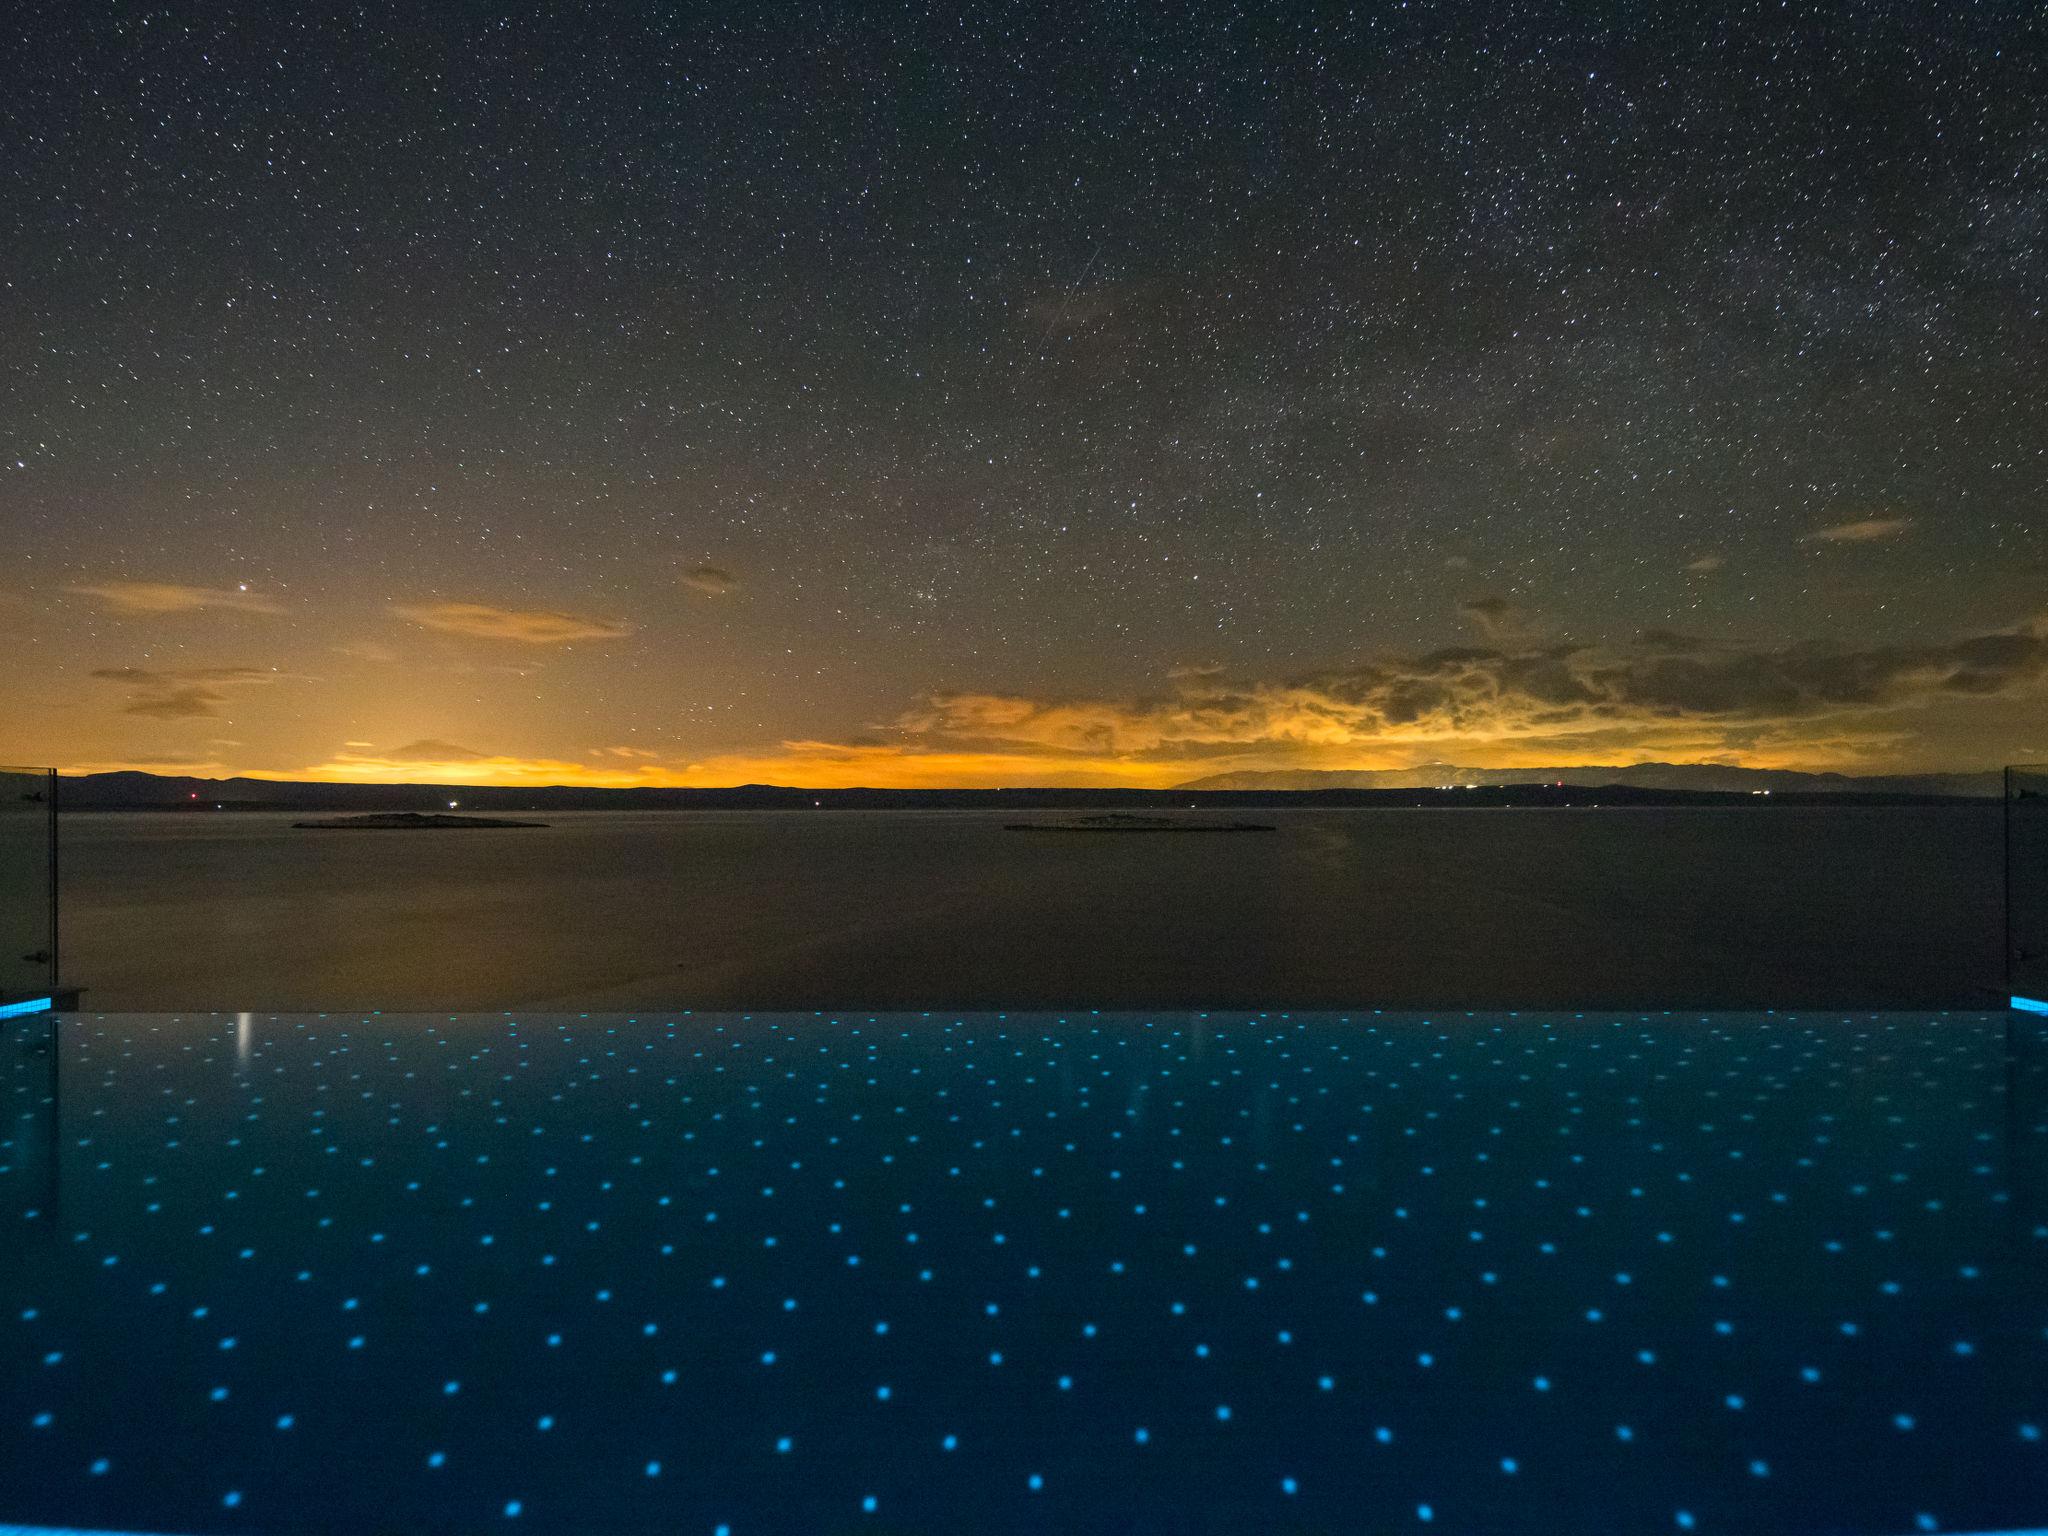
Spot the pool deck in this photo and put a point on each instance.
(1175, 1272)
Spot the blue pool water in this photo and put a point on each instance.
(804, 1273)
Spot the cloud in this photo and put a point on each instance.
(176, 704)
(184, 693)
(1496, 617)
(432, 751)
(1661, 683)
(527, 626)
(711, 579)
(1702, 564)
(366, 650)
(204, 768)
(1665, 694)
(1866, 530)
(161, 597)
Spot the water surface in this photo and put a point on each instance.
(1479, 908)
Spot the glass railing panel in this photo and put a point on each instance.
(28, 869)
(2026, 881)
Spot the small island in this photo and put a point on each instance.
(1123, 821)
(407, 821)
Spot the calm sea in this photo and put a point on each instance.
(935, 909)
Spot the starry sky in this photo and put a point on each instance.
(1060, 394)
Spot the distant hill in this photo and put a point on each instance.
(1675, 776)
(1641, 784)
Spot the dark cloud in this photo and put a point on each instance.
(1495, 617)
(714, 580)
(176, 703)
(1492, 693)
(1654, 640)
(185, 693)
(432, 751)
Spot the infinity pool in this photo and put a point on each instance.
(1227, 1272)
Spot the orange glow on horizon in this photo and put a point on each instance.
(836, 765)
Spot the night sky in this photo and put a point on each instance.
(1092, 393)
